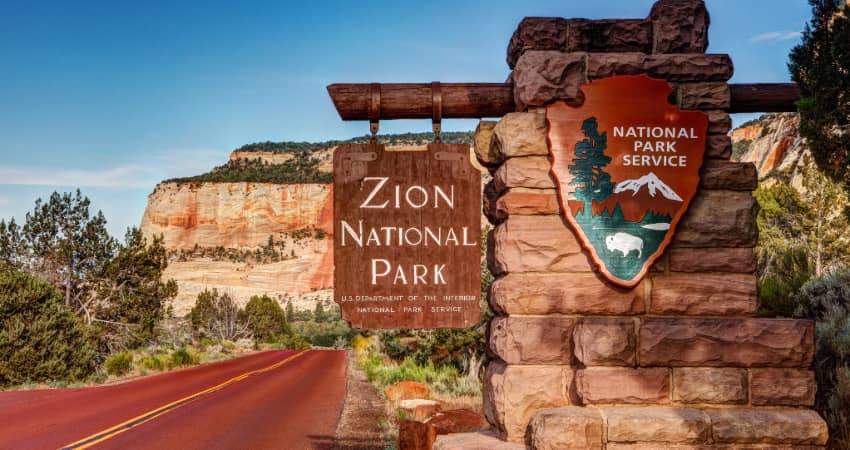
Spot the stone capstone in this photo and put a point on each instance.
(541, 77)
(679, 26)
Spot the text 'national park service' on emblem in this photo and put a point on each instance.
(627, 166)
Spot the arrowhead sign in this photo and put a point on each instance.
(626, 164)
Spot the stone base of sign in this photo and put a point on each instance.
(679, 361)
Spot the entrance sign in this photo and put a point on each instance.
(627, 166)
(406, 236)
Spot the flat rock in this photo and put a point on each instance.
(513, 394)
(704, 294)
(567, 428)
(735, 176)
(537, 244)
(482, 143)
(532, 340)
(657, 424)
(559, 293)
(709, 385)
(532, 172)
(542, 77)
(519, 134)
(537, 33)
(719, 219)
(457, 421)
(622, 385)
(602, 341)
(418, 409)
(708, 95)
(725, 342)
(729, 259)
(759, 426)
(791, 387)
(482, 440)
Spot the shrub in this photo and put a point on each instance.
(266, 319)
(118, 363)
(153, 362)
(827, 301)
(41, 339)
(293, 342)
(182, 358)
(218, 316)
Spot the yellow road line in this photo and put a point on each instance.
(103, 435)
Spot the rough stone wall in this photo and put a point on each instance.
(677, 361)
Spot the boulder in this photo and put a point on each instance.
(413, 435)
(457, 421)
(482, 143)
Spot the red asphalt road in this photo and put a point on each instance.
(294, 406)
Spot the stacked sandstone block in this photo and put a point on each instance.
(678, 361)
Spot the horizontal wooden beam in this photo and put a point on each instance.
(764, 97)
(478, 100)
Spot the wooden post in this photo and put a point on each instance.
(479, 100)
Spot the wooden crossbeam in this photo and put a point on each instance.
(478, 100)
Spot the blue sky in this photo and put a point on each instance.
(112, 97)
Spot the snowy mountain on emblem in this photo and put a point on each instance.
(652, 183)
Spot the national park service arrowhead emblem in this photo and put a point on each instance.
(627, 165)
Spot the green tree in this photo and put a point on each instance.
(40, 338)
(266, 319)
(217, 315)
(820, 65)
(589, 178)
(131, 294)
(319, 312)
(290, 311)
(61, 242)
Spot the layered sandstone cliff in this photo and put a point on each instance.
(773, 144)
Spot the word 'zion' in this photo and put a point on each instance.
(381, 197)
(655, 146)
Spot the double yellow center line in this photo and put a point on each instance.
(164, 409)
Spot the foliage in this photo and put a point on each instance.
(131, 296)
(218, 316)
(182, 357)
(302, 168)
(820, 66)
(827, 301)
(293, 342)
(266, 319)
(740, 148)
(448, 137)
(800, 235)
(40, 338)
(60, 242)
(119, 363)
(444, 380)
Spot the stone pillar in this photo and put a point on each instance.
(679, 359)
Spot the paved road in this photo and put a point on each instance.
(270, 400)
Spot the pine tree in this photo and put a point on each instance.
(290, 311)
(591, 181)
(820, 65)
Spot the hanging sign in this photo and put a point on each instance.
(406, 236)
(627, 166)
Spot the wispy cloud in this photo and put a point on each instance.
(134, 174)
(775, 36)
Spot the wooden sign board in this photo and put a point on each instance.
(627, 166)
(407, 226)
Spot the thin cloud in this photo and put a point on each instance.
(775, 36)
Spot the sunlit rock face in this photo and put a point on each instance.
(772, 143)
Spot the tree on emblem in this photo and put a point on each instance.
(589, 178)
